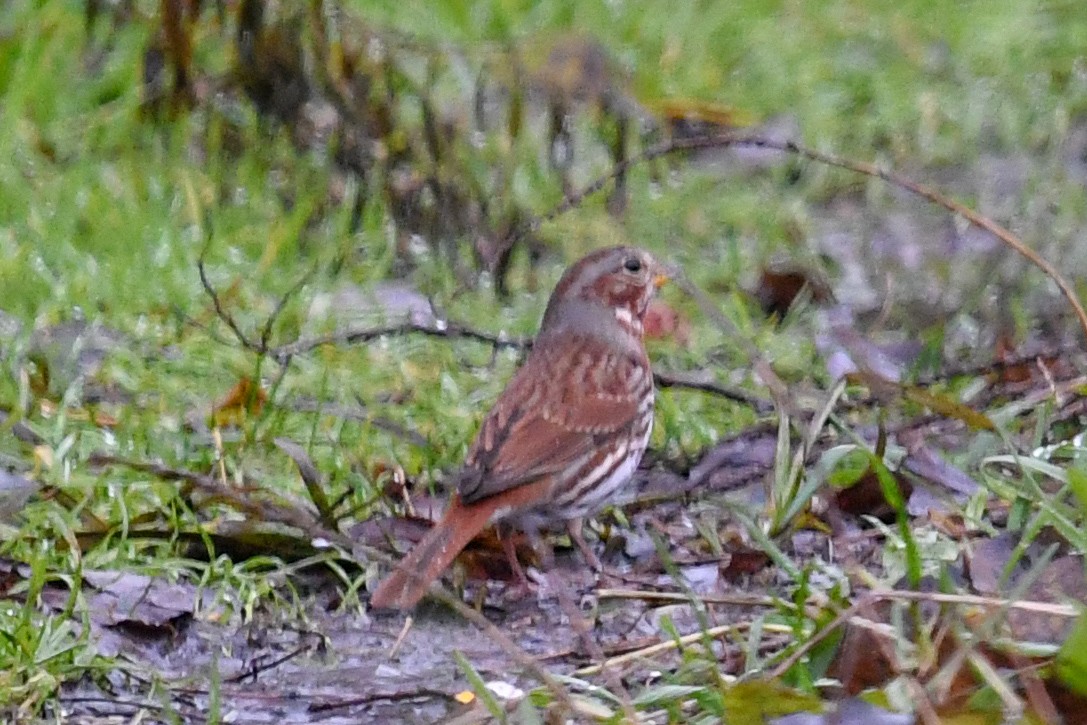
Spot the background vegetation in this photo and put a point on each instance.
(309, 152)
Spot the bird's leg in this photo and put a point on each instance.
(508, 545)
(524, 585)
(574, 527)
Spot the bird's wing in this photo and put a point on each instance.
(554, 413)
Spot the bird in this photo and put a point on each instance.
(567, 432)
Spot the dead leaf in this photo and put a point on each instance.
(11, 573)
(987, 560)
(128, 610)
(865, 496)
(125, 597)
(743, 561)
(780, 285)
(244, 399)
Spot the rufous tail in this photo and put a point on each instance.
(409, 581)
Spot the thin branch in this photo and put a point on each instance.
(255, 668)
(672, 644)
(666, 379)
(266, 332)
(891, 177)
(221, 311)
(456, 330)
(735, 600)
(446, 329)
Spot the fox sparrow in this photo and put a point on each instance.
(567, 432)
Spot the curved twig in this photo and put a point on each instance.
(365, 334)
(892, 177)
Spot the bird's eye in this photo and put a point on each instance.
(632, 264)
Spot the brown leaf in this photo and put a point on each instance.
(244, 399)
(1070, 704)
(743, 561)
(779, 287)
(924, 461)
(865, 496)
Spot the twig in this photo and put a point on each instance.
(408, 621)
(860, 167)
(452, 330)
(281, 304)
(956, 207)
(220, 311)
(741, 600)
(445, 329)
(921, 701)
(1057, 610)
(665, 379)
(256, 668)
(456, 330)
(327, 706)
(672, 644)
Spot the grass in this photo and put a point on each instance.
(104, 213)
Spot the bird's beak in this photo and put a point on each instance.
(660, 278)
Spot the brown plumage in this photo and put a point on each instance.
(568, 430)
